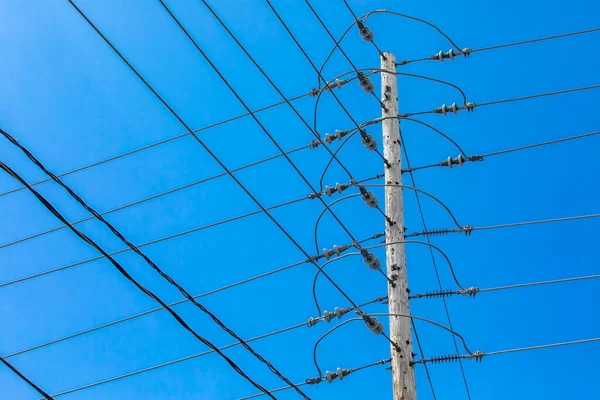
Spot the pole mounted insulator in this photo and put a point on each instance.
(339, 374)
(373, 324)
(370, 199)
(337, 313)
(365, 82)
(330, 137)
(369, 142)
(454, 108)
(339, 188)
(337, 250)
(366, 33)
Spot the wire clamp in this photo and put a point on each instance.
(313, 321)
(313, 381)
(314, 144)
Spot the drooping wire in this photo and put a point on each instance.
(358, 22)
(454, 333)
(338, 45)
(24, 378)
(123, 272)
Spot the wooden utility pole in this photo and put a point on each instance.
(400, 327)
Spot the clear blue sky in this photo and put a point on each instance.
(71, 101)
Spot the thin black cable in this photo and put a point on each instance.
(356, 20)
(530, 146)
(412, 178)
(164, 238)
(422, 354)
(435, 130)
(200, 141)
(310, 61)
(193, 356)
(123, 272)
(23, 377)
(152, 242)
(147, 259)
(337, 44)
(144, 200)
(214, 67)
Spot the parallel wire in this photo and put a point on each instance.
(542, 221)
(162, 239)
(234, 92)
(412, 178)
(24, 378)
(311, 62)
(311, 93)
(508, 287)
(530, 146)
(534, 96)
(125, 274)
(356, 20)
(338, 45)
(202, 143)
(205, 294)
(154, 197)
(193, 356)
(147, 259)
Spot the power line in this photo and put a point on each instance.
(478, 356)
(285, 232)
(543, 221)
(505, 287)
(164, 238)
(418, 200)
(123, 272)
(185, 300)
(23, 377)
(154, 197)
(147, 259)
(197, 355)
(481, 157)
(469, 51)
(489, 103)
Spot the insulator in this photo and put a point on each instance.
(366, 34)
(339, 313)
(370, 199)
(329, 137)
(366, 84)
(369, 142)
(438, 232)
(438, 293)
(369, 258)
(444, 359)
(374, 325)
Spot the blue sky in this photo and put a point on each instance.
(71, 101)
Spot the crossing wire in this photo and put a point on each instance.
(284, 231)
(197, 355)
(205, 294)
(412, 178)
(123, 272)
(24, 378)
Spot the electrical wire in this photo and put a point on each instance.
(480, 355)
(507, 287)
(125, 274)
(530, 146)
(422, 354)
(356, 20)
(144, 200)
(420, 191)
(321, 378)
(543, 221)
(162, 239)
(323, 212)
(147, 259)
(184, 300)
(24, 378)
(149, 243)
(285, 232)
(311, 62)
(194, 356)
(437, 274)
(383, 315)
(500, 46)
(489, 103)
(338, 45)
(435, 130)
